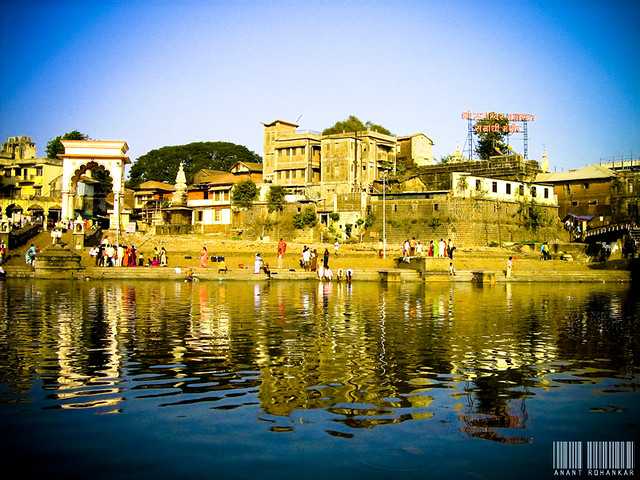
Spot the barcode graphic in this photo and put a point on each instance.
(567, 455)
(610, 455)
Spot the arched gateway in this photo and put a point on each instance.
(82, 155)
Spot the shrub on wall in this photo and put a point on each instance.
(307, 218)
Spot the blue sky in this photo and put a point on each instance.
(160, 73)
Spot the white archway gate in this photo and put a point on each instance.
(82, 155)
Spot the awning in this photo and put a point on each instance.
(580, 218)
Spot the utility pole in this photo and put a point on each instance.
(384, 216)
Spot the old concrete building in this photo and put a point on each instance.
(351, 162)
(28, 182)
(583, 191)
(291, 158)
(313, 165)
(416, 149)
(24, 175)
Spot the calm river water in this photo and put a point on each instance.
(304, 380)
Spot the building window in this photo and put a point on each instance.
(478, 185)
(216, 215)
(508, 189)
(533, 192)
(574, 204)
(435, 207)
(585, 186)
(205, 195)
(199, 216)
(546, 193)
(593, 202)
(494, 187)
(39, 171)
(395, 208)
(521, 190)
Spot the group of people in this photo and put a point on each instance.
(107, 254)
(439, 249)
(309, 259)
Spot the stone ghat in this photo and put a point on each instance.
(385, 275)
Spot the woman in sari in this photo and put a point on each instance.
(204, 257)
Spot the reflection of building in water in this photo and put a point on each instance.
(369, 354)
(210, 326)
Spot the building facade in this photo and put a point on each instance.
(315, 166)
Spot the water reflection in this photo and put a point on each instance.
(365, 355)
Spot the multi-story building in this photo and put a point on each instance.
(24, 175)
(315, 165)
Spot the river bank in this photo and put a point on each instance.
(486, 264)
(371, 275)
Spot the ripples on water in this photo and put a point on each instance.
(340, 360)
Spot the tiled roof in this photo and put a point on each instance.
(155, 185)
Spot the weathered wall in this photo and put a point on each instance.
(466, 221)
(584, 197)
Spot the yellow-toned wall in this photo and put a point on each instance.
(421, 150)
(271, 134)
(49, 173)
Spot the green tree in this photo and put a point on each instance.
(307, 218)
(55, 147)
(244, 193)
(275, 198)
(492, 143)
(162, 163)
(354, 124)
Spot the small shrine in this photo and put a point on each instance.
(178, 214)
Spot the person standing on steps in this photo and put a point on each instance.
(509, 267)
(204, 257)
(282, 249)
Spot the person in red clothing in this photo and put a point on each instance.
(282, 249)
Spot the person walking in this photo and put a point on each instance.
(509, 267)
(163, 257)
(325, 259)
(430, 250)
(441, 249)
(282, 249)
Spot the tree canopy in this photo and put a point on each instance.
(492, 143)
(162, 163)
(354, 124)
(55, 147)
(244, 193)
